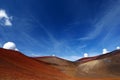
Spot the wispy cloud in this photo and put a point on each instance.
(4, 18)
(52, 38)
(56, 45)
(109, 20)
(93, 34)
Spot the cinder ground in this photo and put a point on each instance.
(16, 66)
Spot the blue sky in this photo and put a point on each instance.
(66, 28)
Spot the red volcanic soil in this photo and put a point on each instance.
(106, 65)
(101, 66)
(16, 66)
(53, 60)
(65, 66)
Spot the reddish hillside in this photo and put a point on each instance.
(14, 65)
(106, 65)
(54, 60)
(65, 66)
(86, 59)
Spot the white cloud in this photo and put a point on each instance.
(3, 14)
(105, 51)
(4, 18)
(8, 23)
(86, 55)
(10, 45)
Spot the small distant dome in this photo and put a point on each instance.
(9, 45)
(117, 47)
(85, 54)
(105, 51)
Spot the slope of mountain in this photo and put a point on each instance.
(63, 65)
(16, 66)
(106, 65)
